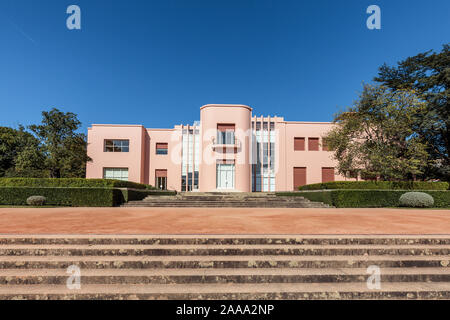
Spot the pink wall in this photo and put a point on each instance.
(142, 160)
(171, 162)
(133, 160)
(210, 116)
(312, 160)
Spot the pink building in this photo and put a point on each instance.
(229, 149)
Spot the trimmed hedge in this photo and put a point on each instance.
(378, 185)
(366, 198)
(75, 197)
(71, 183)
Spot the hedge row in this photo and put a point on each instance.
(378, 185)
(75, 197)
(366, 198)
(71, 183)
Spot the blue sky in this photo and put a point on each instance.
(157, 62)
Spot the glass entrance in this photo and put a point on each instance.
(225, 176)
(161, 183)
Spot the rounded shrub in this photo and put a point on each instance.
(416, 200)
(36, 200)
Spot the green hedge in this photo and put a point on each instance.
(366, 198)
(75, 197)
(378, 185)
(71, 183)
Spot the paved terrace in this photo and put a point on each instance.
(222, 221)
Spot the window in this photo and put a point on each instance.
(115, 173)
(162, 148)
(161, 179)
(299, 144)
(299, 177)
(313, 144)
(272, 126)
(324, 145)
(117, 145)
(225, 134)
(327, 174)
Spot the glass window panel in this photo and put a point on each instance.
(116, 145)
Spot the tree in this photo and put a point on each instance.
(64, 148)
(376, 136)
(429, 75)
(20, 153)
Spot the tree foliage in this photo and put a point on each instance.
(376, 136)
(52, 149)
(429, 75)
(64, 148)
(20, 153)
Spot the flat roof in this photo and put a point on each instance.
(226, 105)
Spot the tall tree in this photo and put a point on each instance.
(429, 75)
(20, 153)
(64, 148)
(376, 138)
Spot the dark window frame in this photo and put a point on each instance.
(116, 145)
(162, 151)
(313, 144)
(303, 139)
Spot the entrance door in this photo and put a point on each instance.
(225, 176)
(299, 177)
(161, 179)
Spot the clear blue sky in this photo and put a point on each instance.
(156, 62)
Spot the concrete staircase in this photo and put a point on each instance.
(224, 267)
(226, 200)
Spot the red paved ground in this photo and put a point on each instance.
(222, 221)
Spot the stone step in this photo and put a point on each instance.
(211, 262)
(185, 250)
(217, 276)
(261, 291)
(225, 205)
(231, 200)
(223, 240)
(212, 239)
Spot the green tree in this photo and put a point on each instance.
(376, 137)
(429, 75)
(20, 153)
(64, 148)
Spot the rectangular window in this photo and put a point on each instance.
(327, 174)
(324, 145)
(299, 144)
(299, 177)
(313, 144)
(272, 126)
(162, 148)
(115, 173)
(116, 145)
(272, 157)
(161, 179)
(225, 133)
